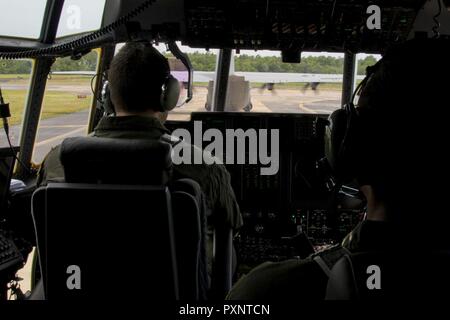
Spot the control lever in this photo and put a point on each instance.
(325, 171)
(184, 58)
(4, 115)
(301, 243)
(350, 198)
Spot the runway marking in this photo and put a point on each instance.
(318, 100)
(259, 106)
(62, 136)
(63, 126)
(324, 111)
(308, 110)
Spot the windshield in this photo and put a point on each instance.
(22, 18)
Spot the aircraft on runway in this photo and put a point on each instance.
(255, 77)
(277, 77)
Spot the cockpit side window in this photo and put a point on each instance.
(14, 83)
(67, 103)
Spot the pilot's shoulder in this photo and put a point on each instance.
(171, 139)
(52, 157)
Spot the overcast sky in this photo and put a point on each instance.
(23, 18)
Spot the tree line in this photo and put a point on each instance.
(247, 63)
(86, 63)
(207, 62)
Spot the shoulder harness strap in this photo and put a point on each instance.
(173, 140)
(327, 259)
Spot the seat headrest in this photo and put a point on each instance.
(116, 161)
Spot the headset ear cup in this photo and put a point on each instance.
(170, 94)
(336, 135)
(108, 106)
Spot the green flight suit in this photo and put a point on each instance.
(213, 179)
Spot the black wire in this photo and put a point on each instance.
(437, 25)
(332, 11)
(369, 73)
(93, 90)
(1, 96)
(6, 128)
(358, 89)
(92, 81)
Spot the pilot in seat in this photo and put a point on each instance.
(393, 143)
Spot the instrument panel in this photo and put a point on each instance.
(278, 210)
(309, 25)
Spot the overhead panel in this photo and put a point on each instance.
(311, 25)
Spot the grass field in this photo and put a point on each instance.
(55, 102)
(14, 76)
(26, 77)
(70, 79)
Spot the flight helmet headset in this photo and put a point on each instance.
(169, 95)
(344, 136)
(353, 134)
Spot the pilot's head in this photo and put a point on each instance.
(136, 77)
(402, 137)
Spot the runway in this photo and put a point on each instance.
(80, 87)
(292, 101)
(52, 132)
